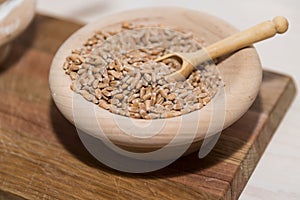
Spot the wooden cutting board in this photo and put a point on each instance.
(41, 156)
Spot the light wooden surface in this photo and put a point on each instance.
(241, 73)
(42, 157)
(279, 55)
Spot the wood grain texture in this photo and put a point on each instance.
(41, 156)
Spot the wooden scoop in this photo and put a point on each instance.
(260, 32)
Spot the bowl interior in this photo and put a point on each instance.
(241, 73)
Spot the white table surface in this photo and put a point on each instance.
(277, 175)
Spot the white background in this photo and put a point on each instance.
(277, 175)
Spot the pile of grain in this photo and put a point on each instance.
(117, 71)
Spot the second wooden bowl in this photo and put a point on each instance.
(15, 16)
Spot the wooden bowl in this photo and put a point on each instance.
(241, 72)
(15, 16)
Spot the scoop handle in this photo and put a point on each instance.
(247, 37)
